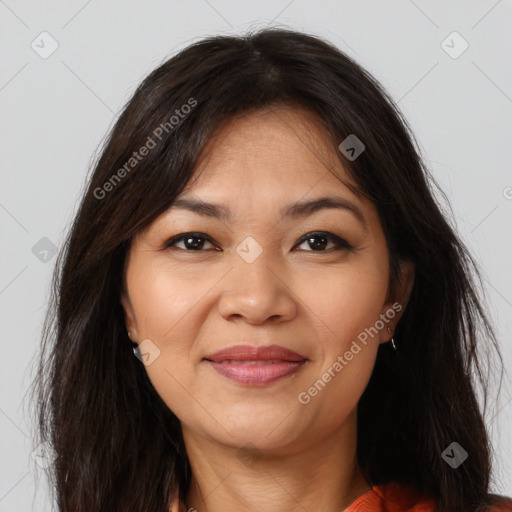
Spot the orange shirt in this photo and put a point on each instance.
(390, 497)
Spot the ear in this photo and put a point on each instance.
(396, 303)
(129, 316)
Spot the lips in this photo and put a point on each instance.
(254, 353)
(253, 365)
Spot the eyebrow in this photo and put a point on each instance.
(292, 211)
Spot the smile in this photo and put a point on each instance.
(256, 373)
(255, 365)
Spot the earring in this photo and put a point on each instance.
(132, 343)
(392, 340)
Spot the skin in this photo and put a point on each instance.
(258, 448)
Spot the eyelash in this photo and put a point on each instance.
(341, 243)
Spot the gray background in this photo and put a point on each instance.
(56, 110)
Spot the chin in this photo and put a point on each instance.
(260, 427)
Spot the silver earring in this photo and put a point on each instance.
(392, 340)
(132, 343)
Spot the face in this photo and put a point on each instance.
(256, 272)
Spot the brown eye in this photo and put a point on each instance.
(191, 241)
(318, 241)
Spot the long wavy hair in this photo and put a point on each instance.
(117, 446)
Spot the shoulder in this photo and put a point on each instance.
(396, 497)
(496, 503)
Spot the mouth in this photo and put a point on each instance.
(255, 366)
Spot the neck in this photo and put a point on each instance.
(322, 476)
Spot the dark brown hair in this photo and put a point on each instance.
(118, 446)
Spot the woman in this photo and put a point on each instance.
(305, 328)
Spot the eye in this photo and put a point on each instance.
(316, 240)
(319, 240)
(191, 241)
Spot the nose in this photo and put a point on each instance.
(256, 293)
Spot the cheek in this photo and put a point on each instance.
(332, 403)
(348, 304)
(162, 300)
(346, 307)
(344, 302)
(165, 307)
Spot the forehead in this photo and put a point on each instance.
(269, 166)
(277, 149)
